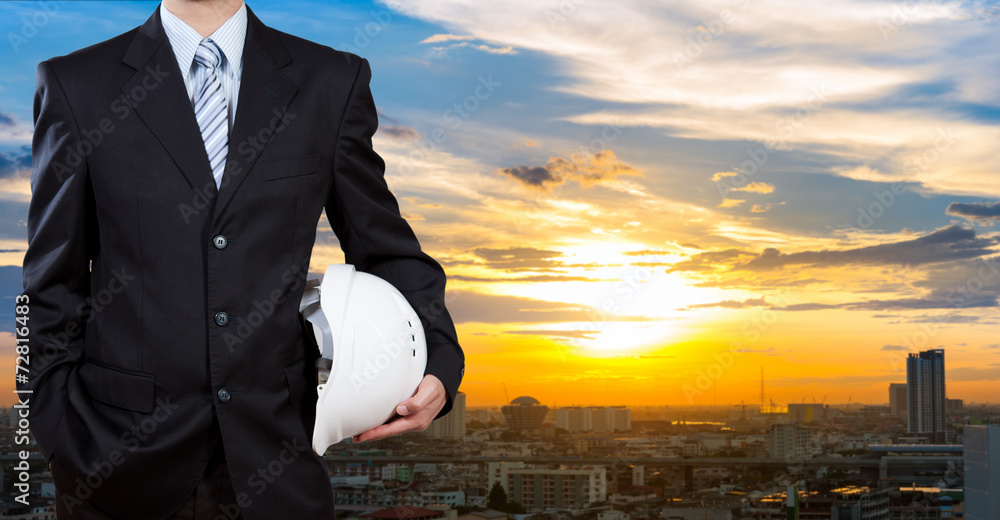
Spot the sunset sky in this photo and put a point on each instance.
(646, 202)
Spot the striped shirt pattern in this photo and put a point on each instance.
(210, 107)
(230, 38)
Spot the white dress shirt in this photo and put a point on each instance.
(230, 37)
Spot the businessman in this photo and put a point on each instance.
(180, 170)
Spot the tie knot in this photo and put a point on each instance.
(208, 54)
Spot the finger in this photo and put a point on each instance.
(374, 433)
(429, 391)
(414, 414)
(400, 425)
(417, 420)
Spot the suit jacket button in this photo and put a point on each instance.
(224, 396)
(221, 319)
(220, 242)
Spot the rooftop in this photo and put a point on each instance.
(404, 512)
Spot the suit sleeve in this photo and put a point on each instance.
(56, 269)
(376, 239)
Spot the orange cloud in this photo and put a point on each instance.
(756, 187)
(600, 168)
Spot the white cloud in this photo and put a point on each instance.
(479, 47)
(438, 38)
(864, 81)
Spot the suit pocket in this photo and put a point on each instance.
(123, 389)
(274, 169)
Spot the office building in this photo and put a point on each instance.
(925, 404)
(539, 489)
(790, 442)
(802, 413)
(621, 418)
(451, 426)
(601, 420)
(524, 413)
(574, 419)
(982, 472)
(897, 399)
(594, 419)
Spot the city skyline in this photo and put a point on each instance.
(807, 190)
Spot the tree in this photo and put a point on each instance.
(509, 436)
(514, 508)
(497, 498)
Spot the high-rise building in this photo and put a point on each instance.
(600, 420)
(897, 399)
(451, 426)
(621, 418)
(790, 441)
(982, 472)
(524, 413)
(595, 418)
(925, 395)
(574, 419)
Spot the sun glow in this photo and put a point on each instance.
(615, 338)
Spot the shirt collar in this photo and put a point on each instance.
(230, 37)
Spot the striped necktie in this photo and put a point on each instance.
(210, 107)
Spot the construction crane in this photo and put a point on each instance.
(762, 389)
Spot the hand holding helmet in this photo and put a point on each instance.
(373, 351)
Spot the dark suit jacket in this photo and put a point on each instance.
(126, 278)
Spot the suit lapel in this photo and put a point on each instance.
(157, 93)
(265, 93)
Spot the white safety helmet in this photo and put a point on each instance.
(373, 351)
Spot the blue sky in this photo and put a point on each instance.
(544, 94)
(613, 128)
